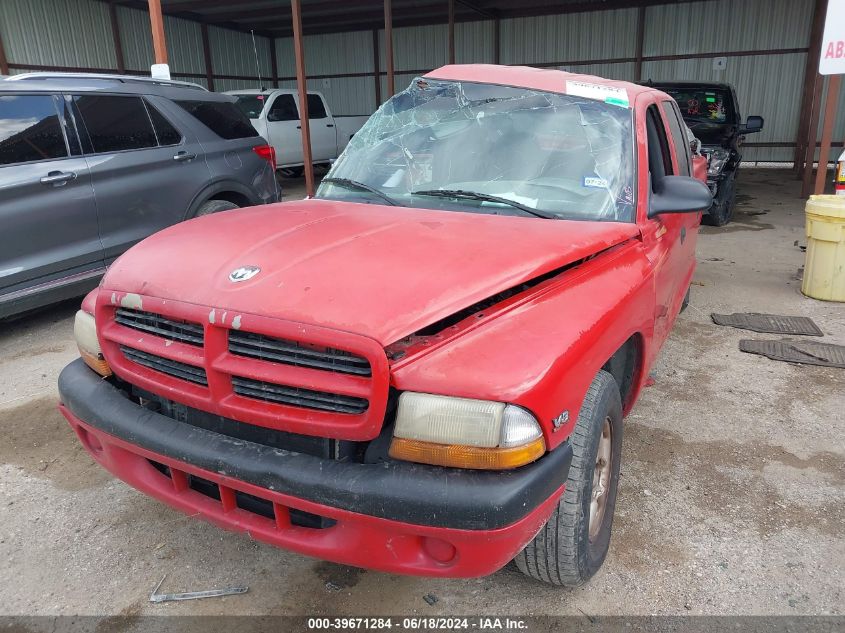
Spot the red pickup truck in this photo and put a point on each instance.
(423, 369)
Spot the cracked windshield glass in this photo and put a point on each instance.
(491, 149)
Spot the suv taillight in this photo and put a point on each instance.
(267, 153)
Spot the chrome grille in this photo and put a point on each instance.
(298, 397)
(180, 331)
(286, 352)
(167, 366)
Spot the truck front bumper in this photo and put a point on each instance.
(396, 517)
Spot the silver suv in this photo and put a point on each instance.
(90, 165)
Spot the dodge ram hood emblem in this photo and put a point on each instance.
(243, 273)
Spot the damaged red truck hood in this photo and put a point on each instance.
(384, 272)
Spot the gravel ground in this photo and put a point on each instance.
(731, 498)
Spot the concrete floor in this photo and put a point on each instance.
(732, 496)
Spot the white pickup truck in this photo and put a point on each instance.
(275, 114)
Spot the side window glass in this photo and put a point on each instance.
(659, 159)
(283, 109)
(166, 133)
(679, 136)
(30, 129)
(316, 109)
(115, 123)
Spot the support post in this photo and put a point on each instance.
(388, 44)
(157, 30)
(810, 71)
(376, 68)
(4, 63)
(812, 133)
(497, 41)
(206, 51)
(118, 45)
(451, 31)
(274, 62)
(302, 89)
(638, 68)
(833, 84)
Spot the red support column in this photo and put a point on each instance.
(206, 51)
(157, 29)
(388, 44)
(810, 72)
(812, 134)
(451, 31)
(302, 88)
(376, 68)
(118, 45)
(833, 84)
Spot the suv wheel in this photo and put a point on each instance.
(215, 206)
(571, 547)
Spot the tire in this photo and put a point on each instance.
(685, 302)
(566, 551)
(215, 206)
(292, 172)
(721, 211)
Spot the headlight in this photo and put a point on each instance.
(718, 159)
(85, 333)
(464, 433)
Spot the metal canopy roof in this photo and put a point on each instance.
(272, 18)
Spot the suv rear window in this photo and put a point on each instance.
(223, 118)
(30, 129)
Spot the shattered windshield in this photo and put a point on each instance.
(492, 149)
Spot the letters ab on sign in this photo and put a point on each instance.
(833, 43)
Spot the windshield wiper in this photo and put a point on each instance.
(484, 197)
(354, 184)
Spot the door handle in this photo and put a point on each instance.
(181, 157)
(329, 124)
(58, 178)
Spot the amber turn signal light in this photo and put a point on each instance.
(458, 456)
(85, 333)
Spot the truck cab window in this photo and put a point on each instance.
(679, 136)
(659, 158)
(316, 109)
(283, 109)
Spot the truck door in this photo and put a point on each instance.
(283, 130)
(323, 135)
(664, 235)
(689, 222)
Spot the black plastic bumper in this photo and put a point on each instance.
(398, 491)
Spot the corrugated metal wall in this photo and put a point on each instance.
(680, 41)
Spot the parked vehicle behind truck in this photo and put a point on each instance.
(92, 164)
(275, 115)
(711, 110)
(424, 369)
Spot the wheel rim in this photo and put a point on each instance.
(601, 480)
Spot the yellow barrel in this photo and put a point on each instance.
(824, 267)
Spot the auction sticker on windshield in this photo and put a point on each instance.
(608, 94)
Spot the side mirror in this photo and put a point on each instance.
(752, 124)
(679, 194)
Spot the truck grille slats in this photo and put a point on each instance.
(167, 366)
(298, 397)
(189, 333)
(277, 374)
(292, 353)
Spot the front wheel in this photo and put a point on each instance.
(573, 544)
(215, 206)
